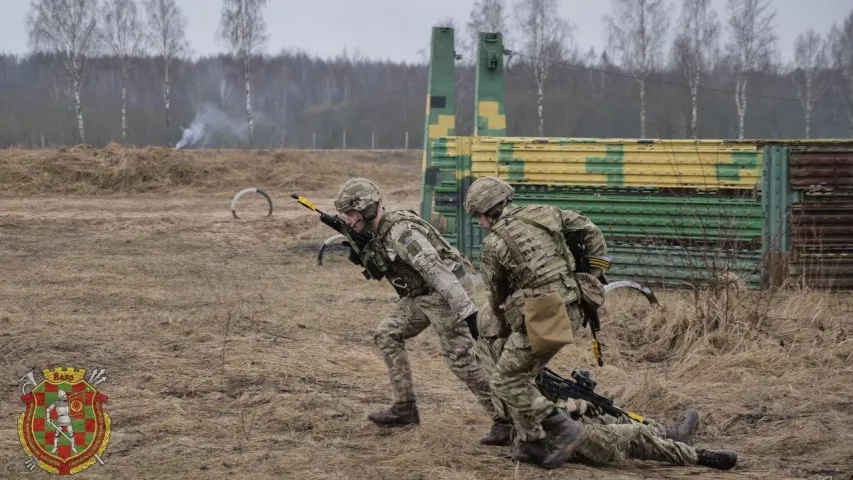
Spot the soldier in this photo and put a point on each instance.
(532, 282)
(608, 439)
(439, 291)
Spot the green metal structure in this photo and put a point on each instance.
(674, 212)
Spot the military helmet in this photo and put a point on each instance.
(361, 195)
(486, 193)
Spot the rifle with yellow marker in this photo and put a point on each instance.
(374, 266)
(355, 240)
(554, 387)
(583, 264)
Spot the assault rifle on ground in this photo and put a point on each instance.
(555, 387)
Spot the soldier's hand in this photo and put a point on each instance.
(589, 409)
(353, 257)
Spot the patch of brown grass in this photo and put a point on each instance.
(232, 354)
(115, 169)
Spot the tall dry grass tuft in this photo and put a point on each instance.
(753, 363)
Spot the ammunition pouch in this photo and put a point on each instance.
(514, 306)
(591, 290)
(375, 266)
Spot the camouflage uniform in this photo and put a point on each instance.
(529, 265)
(438, 290)
(606, 439)
(520, 260)
(441, 294)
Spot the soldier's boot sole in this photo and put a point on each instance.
(684, 433)
(719, 459)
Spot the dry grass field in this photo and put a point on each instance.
(231, 354)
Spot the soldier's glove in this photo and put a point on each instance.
(353, 257)
(588, 409)
(471, 320)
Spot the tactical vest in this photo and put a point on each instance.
(537, 263)
(401, 274)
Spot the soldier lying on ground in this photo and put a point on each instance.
(605, 438)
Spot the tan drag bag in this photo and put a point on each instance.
(548, 325)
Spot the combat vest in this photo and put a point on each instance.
(538, 266)
(402, 275)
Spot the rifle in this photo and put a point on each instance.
(577, 247)
(555, 387)
(374, 267)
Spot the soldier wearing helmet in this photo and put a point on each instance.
(439, 291)
(531, 279)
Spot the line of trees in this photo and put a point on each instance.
(120, 70)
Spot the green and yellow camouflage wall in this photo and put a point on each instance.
(666, 207)
(674, 212)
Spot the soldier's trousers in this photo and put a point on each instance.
(609, 443)
(513, 384)
(410, 317)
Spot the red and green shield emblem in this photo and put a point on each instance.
(65, 432)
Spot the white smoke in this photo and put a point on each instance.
(208, 121)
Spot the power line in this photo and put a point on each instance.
(673, 84)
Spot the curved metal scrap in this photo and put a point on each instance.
(329, 241)
(645, 291)
(249, 190)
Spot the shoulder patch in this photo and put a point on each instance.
(408, 241)
(405, 238)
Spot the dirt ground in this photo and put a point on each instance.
(230, 352)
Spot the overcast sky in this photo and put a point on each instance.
(398, 29)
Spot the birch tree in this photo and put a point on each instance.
(841, 48)
(809, 75)
(124, 36)
(544, 37)
(69, 30)
(636, 36)
(166, 33)
(242, 25)
(695, 42)
(751, 41)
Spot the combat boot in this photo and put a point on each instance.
(566, 435)
(398, 415)
(499, 434)
(530, 452)
(684, 433)
(719, 459)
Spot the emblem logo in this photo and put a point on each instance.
(64, 429)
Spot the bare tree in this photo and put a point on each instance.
(69, 30)
(486, 16)
(124, 35)
(242, 25)
(544, 37)
(809, 73)
(167, 35)
(841, 48)
(695, 43)
(752, 40)
(636, 36)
